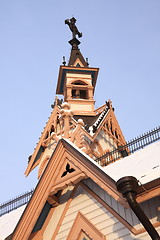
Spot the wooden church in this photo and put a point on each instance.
(80, 156)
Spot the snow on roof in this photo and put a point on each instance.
(143, 164)
(83, 153)
(9, 221)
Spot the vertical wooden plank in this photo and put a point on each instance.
(107, 198)
(152, 208)
(129, 217)
(121, 211)
(114, 204)
(146, 209)
(100, 193)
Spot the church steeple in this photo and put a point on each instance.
(94, 131)
(77, 80)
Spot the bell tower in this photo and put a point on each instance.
(94, 131)
(77, 81)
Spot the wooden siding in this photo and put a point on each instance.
(98, 215)
(83, 202)
(150, 207)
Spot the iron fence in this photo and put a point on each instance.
(15, 203)
(130, 147)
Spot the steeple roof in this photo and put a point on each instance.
(76, 58)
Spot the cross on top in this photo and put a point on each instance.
(71, 23)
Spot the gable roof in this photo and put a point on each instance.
(52, 180)
(67, 166)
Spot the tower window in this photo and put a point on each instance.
(79, 94)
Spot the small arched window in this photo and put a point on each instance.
(79, 82)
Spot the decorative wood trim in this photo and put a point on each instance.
(110, 114)
(42, 166)
(31, 164)
(71, 181)
(100, 109)
(53, 200)
(83, 224)
(93, 171)
(34, 165)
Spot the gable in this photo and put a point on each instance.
(67, 167)
(53, 180)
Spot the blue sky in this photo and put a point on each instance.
(121, 37)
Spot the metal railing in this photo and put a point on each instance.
(15, 203)
(130, 147)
